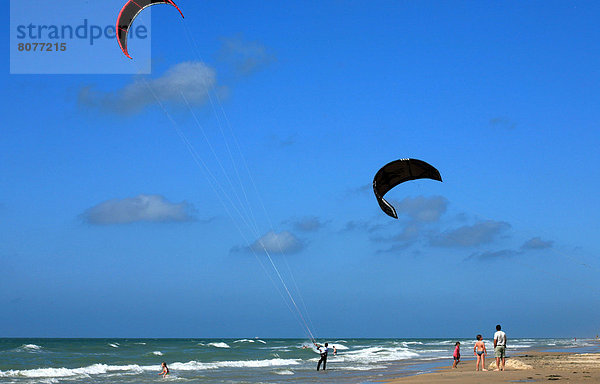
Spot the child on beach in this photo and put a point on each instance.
(456, 354)
(480, 351)
(165, 370)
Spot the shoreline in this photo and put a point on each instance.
(113, 361)
(573, 366)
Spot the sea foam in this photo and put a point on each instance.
(364, 367)
(197, 366)
(50, 380)
(284, 372)
(339, 347)
(378, 354)
(95, 369)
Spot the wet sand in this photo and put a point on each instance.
(530, 367)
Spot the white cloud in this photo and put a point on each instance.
(282, 242)
(141, 208)
(193, 79)
(471, 235)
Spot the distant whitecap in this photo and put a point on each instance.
(219, 345)
(30, 348)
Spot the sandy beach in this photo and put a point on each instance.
(529, 367)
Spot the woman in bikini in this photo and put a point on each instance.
(480, 351)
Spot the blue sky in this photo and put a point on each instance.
(110, 228)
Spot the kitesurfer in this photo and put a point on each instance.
(323, 352)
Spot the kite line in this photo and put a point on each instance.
(243, 209)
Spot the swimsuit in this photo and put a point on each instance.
(480, 352)
(456, 354)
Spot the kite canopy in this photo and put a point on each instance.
(397, 172)
(128, 13)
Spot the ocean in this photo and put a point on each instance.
(234, 360)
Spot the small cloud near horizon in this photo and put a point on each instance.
(410, 233)
(280, 142)
(537, 243)
(361, 225)
(401, 247)
(490, 255)
(307, 224)
(502, 122)
(141, 208)
(479, 233)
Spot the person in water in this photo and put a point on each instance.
(165, 370)
(456, 354)
(323, 352)
(480, 351)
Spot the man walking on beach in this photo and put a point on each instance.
(323, 352)
(499, 347)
